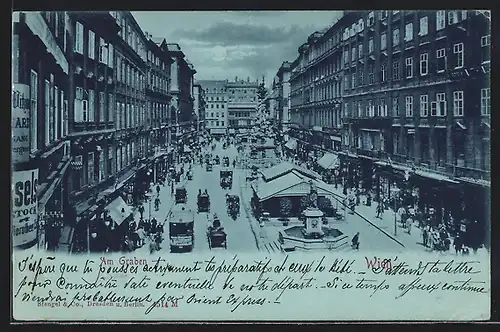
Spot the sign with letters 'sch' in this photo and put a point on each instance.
(20, 123)
(24, 206)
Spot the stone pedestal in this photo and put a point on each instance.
(313, 221)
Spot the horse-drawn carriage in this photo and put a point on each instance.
(233, 206)
(203, 201)
(216, 236)
(225, 161)
(226, 179)
(209, 167)
(180, 195)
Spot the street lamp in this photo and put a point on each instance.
(395, 191)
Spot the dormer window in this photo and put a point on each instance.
(371, 19)
(361, 25)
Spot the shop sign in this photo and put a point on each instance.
(24, 207)
(20, 123)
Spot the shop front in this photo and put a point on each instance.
(329, 165)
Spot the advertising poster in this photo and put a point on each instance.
(24, 206)
(20, 123)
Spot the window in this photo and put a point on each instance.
(371, 75)
(91, 44)
(91, 111)
(383, 72)
(111, 109)
(360, 109)
(383, 14)
(101, 167)
(458, 50)
(485, 40)
(424, 26)
(90, 168)
(452, 17)
(370, 45)
(78, 47)
(346, 82)
(434, 107)
(485, 101)
(346, 109)
(353, 81)
(34, 111)
(383, 108)
(102, 104)
(371, 19)
(440, 20)
(395, 70)
(395, 37)
(441, 100)
(354, 53)
(383, 41)
(409, 106)
(47, 112)
(409, 32)
(110, 56)
(361, 25)
(424, 104)
(361, 77)
(458, 103)
(395, 106)
(64, 115)
(409, 67)
(441, 60)
(370, 109)
(424, 64)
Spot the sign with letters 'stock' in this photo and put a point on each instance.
(20, 123)
(24, 206)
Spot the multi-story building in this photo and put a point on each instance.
(181, 88)
(242, 104)
(199, 106)
(415, 104)
(158, 101)
(216, 115)
(283, 98)
(91, 112)
(315, 92)
(417, 101)
(40, 149)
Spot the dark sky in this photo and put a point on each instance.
(227, 44)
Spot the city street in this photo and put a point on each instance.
(240, 237)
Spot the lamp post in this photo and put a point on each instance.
(395, 190)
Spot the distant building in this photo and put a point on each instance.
(242, 104)
(216, 111)
(199, 106)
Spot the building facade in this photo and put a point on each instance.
(415, 96)
(242, 104)
(199, 106)
(40, 142)
(158, 102)
(316, 92)
(216, 111)
(181, 88)
(282, 86)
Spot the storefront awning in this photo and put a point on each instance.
(119, 210)
(329, 161)
(291, 144)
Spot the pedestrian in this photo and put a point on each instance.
(380, 210)
(401, 214)
(141, 210)
(355, 241)
(409, 222)
(425, 236)
(158, 189)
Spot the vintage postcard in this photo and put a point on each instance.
(261, 166)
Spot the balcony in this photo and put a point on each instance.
(472, 174)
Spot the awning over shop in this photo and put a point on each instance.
(291, 144)
(329, 161)
(119, 210)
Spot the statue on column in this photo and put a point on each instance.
(313, 195)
